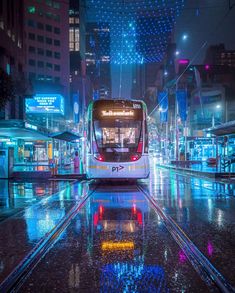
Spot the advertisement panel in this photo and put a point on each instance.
(45, 104)
(181, 96)
(76, 108)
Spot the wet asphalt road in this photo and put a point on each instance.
(119, 243)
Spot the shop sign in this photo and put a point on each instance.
(45, 104)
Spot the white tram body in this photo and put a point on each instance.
(117, 140)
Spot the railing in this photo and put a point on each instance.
(226, 163)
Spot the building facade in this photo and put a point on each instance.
(12, 57)
(47, 47)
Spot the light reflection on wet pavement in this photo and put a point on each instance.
(203, 211)
(22, 231)
(117, 243)
(15, 196)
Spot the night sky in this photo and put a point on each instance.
(204, 20)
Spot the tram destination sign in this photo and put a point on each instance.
(45, 104)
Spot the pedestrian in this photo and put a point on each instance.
(76, 162)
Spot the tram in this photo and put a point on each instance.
(117, 140)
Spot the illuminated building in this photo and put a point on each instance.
(218, 55)
(12, 54)
(47, 52)
(98, 57)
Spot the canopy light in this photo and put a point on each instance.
(139, 30)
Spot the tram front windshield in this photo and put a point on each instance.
(117, 137)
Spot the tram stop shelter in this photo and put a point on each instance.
(224, 135)
(64, 145)
(18, 140)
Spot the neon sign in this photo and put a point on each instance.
(111, 113)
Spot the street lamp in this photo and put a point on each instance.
(218, 106)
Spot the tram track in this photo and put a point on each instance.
(214, 280)
(208, 273)
(17, 277)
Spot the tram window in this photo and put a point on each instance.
(125, 134)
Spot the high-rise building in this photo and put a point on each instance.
(47, 46)
(12, 55)
(98, 58)
(218, 55)
(78, 81)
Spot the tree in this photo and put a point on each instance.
(7, 89)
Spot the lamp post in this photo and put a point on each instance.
(218, 106)
(215, 152)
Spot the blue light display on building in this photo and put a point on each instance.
(139, 30)
(45, 104)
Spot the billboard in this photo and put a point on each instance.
(45, 104)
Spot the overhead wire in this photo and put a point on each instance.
(204, 44)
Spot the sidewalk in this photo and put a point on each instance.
(24, 231)
(201, 169)
(43, 171)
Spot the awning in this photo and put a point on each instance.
(20, 129)
(223, 129)
(66, 136)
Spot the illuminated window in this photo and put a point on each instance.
(57, 30)
(49, 41)
(49, 2)
(31, 23)
(49, 15)
(31, 9)
(31, 36)
(57, 55)
(56, 5)
(48, 53)
(56, 17)
(32, 75)
(40, 51)
(49, 65)
(48, 28)
(40, 39)
(57, 67)
(40, 26)
(40, 77)
(40, 64)
(32, 49)
(74, 39)
(57, 42)
(1, 24)
(71, 20)
(40, 12)
(31, 62)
